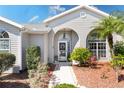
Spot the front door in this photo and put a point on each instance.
(62, 50)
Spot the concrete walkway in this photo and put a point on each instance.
(63, 74)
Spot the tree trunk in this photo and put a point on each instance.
(110, 42)
(117, 73)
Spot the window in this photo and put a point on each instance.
(97, 45)
(4, 42)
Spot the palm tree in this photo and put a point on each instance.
(107, 26)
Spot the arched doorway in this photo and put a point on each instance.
(65, 40)
(97, 45)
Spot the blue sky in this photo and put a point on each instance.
(36, 13)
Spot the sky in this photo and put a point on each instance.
(24, 14)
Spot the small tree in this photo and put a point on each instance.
(81, 55)
(37, 72)
(6, 61)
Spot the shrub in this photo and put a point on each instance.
(33, 57)
(81, 55)
(64, 85)
(118, 48)
(38, 78)
(6, 61)
(117, 63)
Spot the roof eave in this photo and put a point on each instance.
(74, 9)
(11, 22)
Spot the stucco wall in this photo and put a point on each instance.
(82, 26)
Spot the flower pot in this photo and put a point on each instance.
(74, 62)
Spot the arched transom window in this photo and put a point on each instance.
(4, 42)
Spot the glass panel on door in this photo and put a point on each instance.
(62, 51)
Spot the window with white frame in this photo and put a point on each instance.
(97, 45)
(4, 42)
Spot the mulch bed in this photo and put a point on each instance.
(14, 80)
(100, 76)
(19, 80)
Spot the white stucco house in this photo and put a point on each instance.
(57, 36)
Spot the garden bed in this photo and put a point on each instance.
(101, 76)
(20, 80)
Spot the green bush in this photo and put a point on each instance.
(118, 61)
(81, 55)
(64, 85)
(118, 48)
(117, 64)
(33, 57)
(6, 61)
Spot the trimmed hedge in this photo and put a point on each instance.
(32, 57)
(64, 85)
(6, 61)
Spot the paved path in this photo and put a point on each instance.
(63, 74)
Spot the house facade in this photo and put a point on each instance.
(57, 36)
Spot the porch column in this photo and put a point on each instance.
(20, 51)
(45, 48)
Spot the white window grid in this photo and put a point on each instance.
(98, 48)
(3, 49)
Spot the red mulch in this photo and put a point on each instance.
(101, 76)
(20, 80)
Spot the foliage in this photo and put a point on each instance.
(38, 78)
(118, 48)
(68, 58)
(6, 61)
(64, 85)
(33, 57)
(118, 61)
(107, 26)
(118, 13)
(81, 55)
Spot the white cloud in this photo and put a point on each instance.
(33, 18)
(55, 9)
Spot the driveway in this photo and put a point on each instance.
(63, 73)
